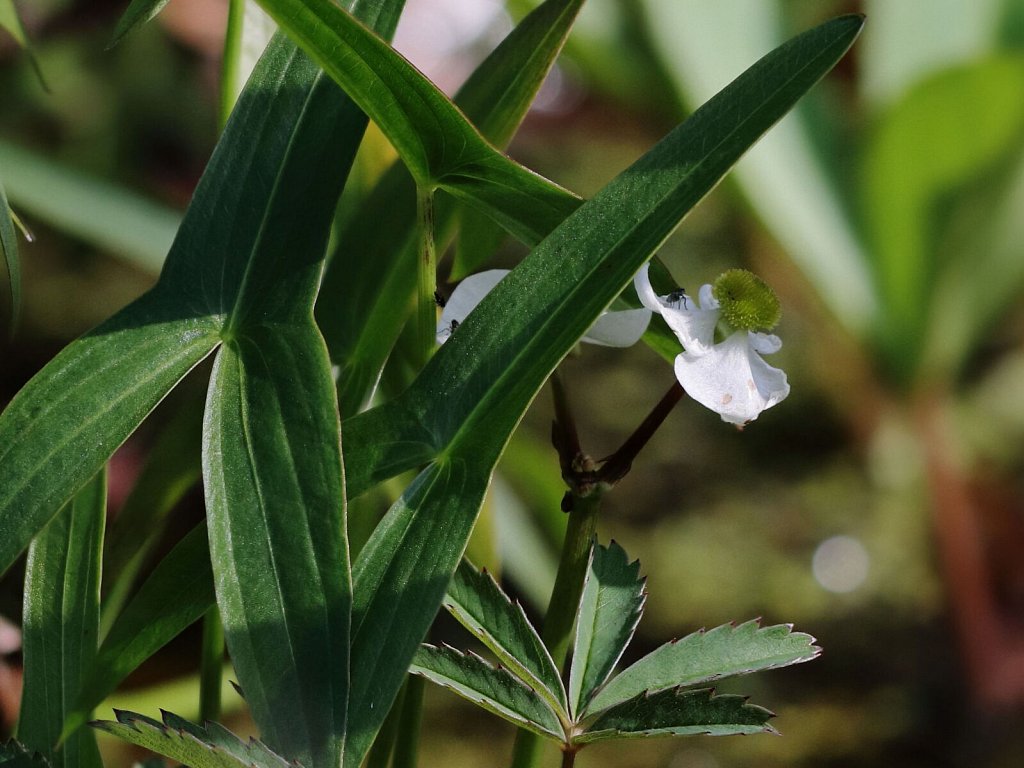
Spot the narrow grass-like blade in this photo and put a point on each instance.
(136, 14)
(610, 607)
(85, 207)
(9, 248)
(493, 688)
(61, 624)
(705, 656)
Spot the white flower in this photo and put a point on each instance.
(729, 377)
(612, 329)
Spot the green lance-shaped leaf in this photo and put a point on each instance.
(61, 624)
(610, 607)
(84, 207)
(479, 604)
(177, 594)
(679, 713)
(507, 347)
(460, 411)
(68, 420)
(440, 147)
(275, 497)
(494, 688)
(272, 452)
(136, 14)
(372, 272)
(212, 746)
(704, 656)
(9, 247)
(10, 20)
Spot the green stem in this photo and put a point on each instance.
(232, 59)
(211, 666)
(407, 741)
(565, 598)
(426, 312)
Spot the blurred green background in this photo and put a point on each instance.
(880, 507)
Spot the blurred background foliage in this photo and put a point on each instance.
(881, 507)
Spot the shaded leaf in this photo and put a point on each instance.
(210, 747)
(177, 593)
(610, 607)
(708, 655)
(61, 624)
(679, 713)
(478, 603)
(495, 689)
(172, 467)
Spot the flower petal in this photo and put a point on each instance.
(464, 299)
(732, 380)
(621, 328)
(693, 325)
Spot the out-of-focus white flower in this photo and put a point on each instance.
(728, 377)
(620, 328)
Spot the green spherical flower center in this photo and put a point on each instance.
(747, 303)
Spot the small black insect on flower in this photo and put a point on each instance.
(678, 295)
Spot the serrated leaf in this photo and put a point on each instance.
(177, 593)
(679, 713)
(16, 755)
(610, 607)
(479, 604)
(211, 747)
(495, 689)
(708, 655)
(61, 625)
(460, 411)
